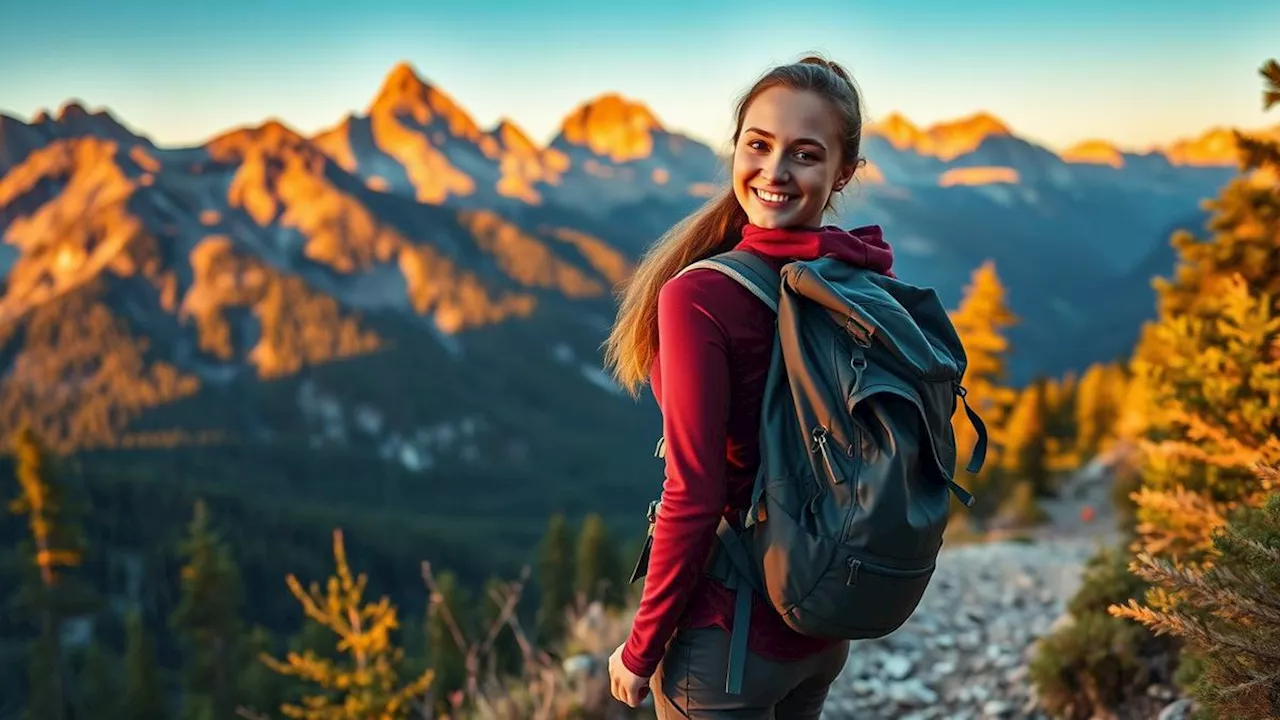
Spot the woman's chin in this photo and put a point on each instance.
(770, 218)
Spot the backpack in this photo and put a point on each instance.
(857, 453)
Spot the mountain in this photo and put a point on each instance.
(398, 319)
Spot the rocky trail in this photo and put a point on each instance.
(965, 652)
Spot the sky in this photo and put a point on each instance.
(1136, 72)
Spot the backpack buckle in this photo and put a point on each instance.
(861, 337)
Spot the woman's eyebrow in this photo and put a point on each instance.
(809, 141)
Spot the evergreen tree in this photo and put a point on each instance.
(1092, 411)
(363, 683)
(1232, 614)
(599, 567)
(54, 546)
(1209, 363)
(261, 690)
(1060, 425)
(99, 683)
(555, 581)
(1026, 455)
(1209, 368)
(981, 321)
(143, 697)
(207, 619)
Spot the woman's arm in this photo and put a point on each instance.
(693, 358)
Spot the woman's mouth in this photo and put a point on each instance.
(772, 199)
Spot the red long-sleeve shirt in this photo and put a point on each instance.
(715, 340)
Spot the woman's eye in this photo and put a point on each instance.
(806, 156)
(755, 144)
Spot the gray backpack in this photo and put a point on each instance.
(857, 453)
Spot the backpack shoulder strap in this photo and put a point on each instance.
(748, 270)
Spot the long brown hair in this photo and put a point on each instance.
(716, 226)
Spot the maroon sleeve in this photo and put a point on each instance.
(693, 360)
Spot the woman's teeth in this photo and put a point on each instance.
(771, 197)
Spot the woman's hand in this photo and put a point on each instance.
(627, 687)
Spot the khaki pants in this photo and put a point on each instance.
(690, 681)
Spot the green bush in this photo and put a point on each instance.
(1228, 612)
(1090, 664)
(1095, 663)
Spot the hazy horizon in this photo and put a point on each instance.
(1138, 74)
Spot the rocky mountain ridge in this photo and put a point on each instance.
(407, 274)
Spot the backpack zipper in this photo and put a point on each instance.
(820, 435)
(854, 565)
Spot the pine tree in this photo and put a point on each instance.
(1210, 362)
(1060, 422)
(1025, 454)
(261, 691)
(1095, 409)
(555, 581)
(599, 568)
(1209, 369)
(363, 683)
(143, 697)
(981, 321)
(55, 546)
(1231, 615)
(207, 619)
(99, 683)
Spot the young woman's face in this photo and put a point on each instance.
(787, 160)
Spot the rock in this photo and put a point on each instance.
(1177, 710)
(996, 709)
(964, 652)
(582, 665)
(897, 667)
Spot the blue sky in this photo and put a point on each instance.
(1136, 72)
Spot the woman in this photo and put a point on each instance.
(704, 344)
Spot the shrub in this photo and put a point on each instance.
(1228, 610)
(1095, 663)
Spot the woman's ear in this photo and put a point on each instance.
(845, 175)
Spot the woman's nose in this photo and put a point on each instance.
(775, 169)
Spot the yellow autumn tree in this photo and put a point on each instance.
(1210, 367)
(981, 321)
(364, 683)
(1100, 399)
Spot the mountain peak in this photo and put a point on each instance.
(271, 137)
(402, 86)
(981, 122)
(897, 129)
(405, 93)
(1094, 152)
(1214, 147)
(72, 110)
(944, 140)
(951, 139)
(513, 137)
(613, 126)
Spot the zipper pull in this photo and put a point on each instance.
(820, 436)
(853, 564)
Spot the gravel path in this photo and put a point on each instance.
(964, 653)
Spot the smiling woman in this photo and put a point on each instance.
(704, 343)
(790, 158)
